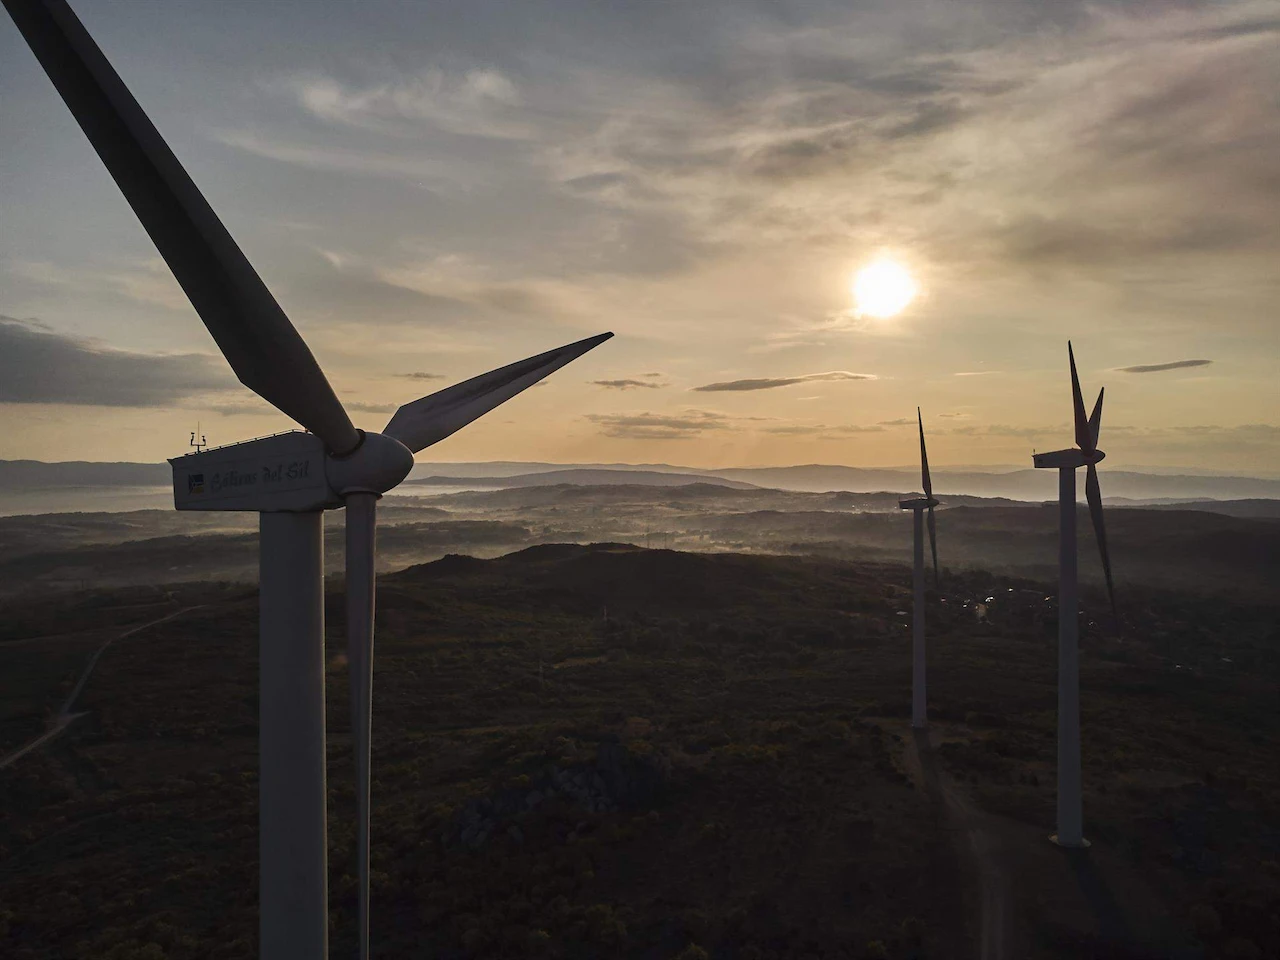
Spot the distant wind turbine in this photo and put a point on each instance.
(1084, 454)
(289, 479)
(918, 506)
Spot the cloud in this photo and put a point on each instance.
(1123, 139)
(460, 287)
(929, 118)
(1243, 29)
(1258, 430)
(38, 365)
(975, 373)
(418, 375)
(630, 384)
(659, 426)
(770, 383)
(1157, 367)
(341, 285)
(900, 422)
(252, 407)
(1038, 240)
(335, 159)
(147, 280)
(822, 430)
(362, 407)
(478, 102)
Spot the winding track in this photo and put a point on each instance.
(65, 717)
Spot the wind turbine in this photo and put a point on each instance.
(918, 506)
(289, 479)
(1084, 454)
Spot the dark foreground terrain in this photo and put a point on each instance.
(605, 751)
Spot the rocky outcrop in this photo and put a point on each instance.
(620, 779)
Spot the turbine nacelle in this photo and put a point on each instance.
(287, 473)
(918, 503)
(1067, 459)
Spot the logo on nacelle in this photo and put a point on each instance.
(284, 472)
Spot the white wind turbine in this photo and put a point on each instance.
(1084, 454)
(918, 506)
(290, 479)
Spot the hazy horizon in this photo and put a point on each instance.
(423, 466)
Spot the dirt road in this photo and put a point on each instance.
(65, 717)
(978, 847)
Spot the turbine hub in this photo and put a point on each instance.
(377, 465)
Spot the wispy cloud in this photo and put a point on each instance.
(335, 159)
(418, 375)
(630, 384)
(659, 426)
(364, 407)
(771, 383)
(241, 408)
(1157, 367)
(480, 102)
(1013, 430)
(146, 281)
(822, 430)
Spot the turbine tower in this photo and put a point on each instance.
(1084, 454)
(918, 506)
(289, 479)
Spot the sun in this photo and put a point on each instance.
(883, 288)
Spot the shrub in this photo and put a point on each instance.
(1205, 921)
(1238, 948)
(604, 925)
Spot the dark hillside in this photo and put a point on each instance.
(721, 759)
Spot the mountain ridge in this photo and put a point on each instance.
(26, 476)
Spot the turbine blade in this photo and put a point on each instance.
(423, 422)
(1084, 439)
(924, 459)
(1094, 495)
(1095, 418)
(361, 587)
(251, 330)
(933, 546)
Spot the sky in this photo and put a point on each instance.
(433, 190)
